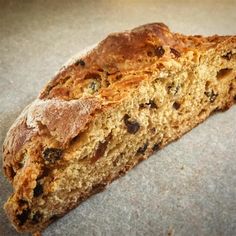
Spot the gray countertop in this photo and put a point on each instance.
(189, 187)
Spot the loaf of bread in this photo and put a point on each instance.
(132, 94)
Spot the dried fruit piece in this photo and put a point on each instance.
(173, 88)
(176, 105)
(159, 51)
(23, 216)
(22, 202)
(211, 95)
(98, 187)
(150, 104)
(37, 217)
(94, 76)
(156, 147)
(52, 154)
(175, 52)
(132, 126)
(54, 217)
(102, 146)
(80, 62)
(94, 86)
(38, 190)
(228, 56)
(142, 149)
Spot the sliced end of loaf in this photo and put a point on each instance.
(150, 107)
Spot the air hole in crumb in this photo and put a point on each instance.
(75, 139)
(223, 73)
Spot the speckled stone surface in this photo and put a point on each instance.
(188, 188)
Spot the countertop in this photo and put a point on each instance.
(189, 187)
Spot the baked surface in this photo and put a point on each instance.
(131, 95)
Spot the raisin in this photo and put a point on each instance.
(142, 149)
(52, 154)
(227, 56)
(150, 104)
(175, 52)
(37, 217)
(176, 105)
(22, 202)
(38, 190)
(102, 146)
(173, 88)
(156, 147)
(23, 216)
(46, 172)
(98, 187)
(54, 217)
(80, 62)
(159, 51)
(142, 105)
(94, 76)
(94, 86)
(211, 95)
(132, 126)
(235, 98)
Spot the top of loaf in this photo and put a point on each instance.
(97, 81)
(119, 54)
